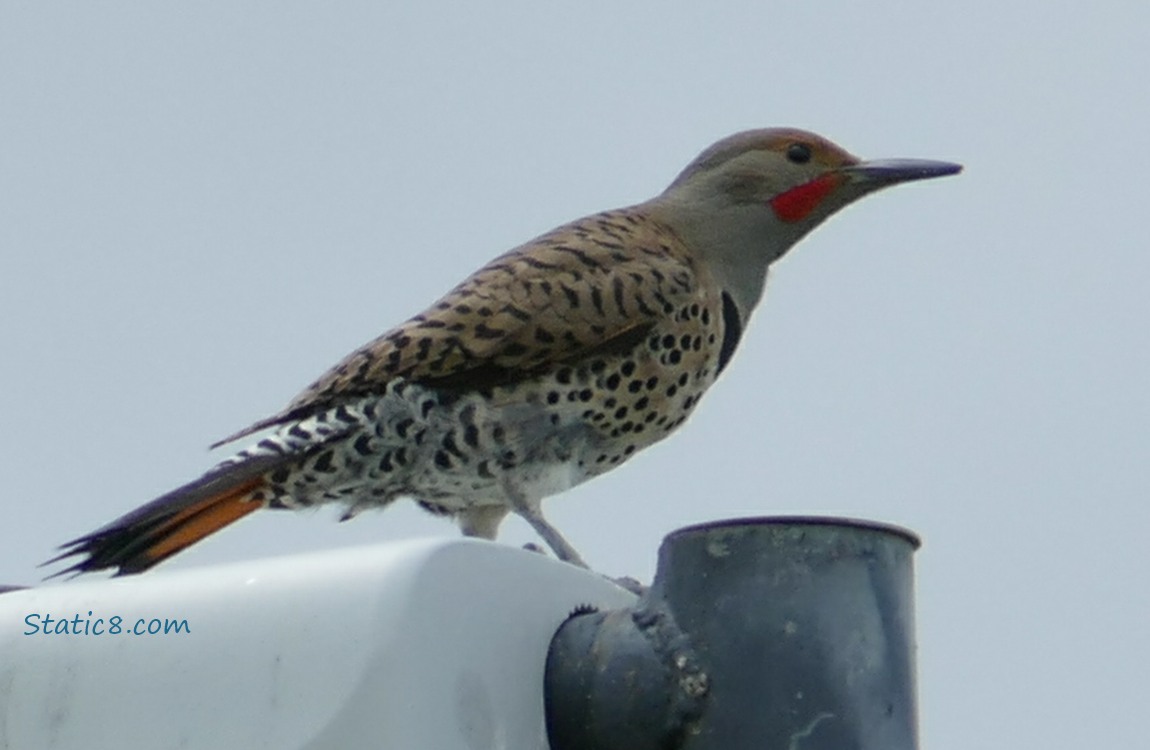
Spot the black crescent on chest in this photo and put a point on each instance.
(732, 331)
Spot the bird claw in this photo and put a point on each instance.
(629, 583)
(624, 582)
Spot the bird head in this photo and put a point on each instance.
(746, 200)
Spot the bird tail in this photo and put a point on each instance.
(173, 522)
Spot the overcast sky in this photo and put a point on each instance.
(203, 206)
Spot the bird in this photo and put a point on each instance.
(553, 364)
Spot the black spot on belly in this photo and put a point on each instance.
(324, 462)
(450, 445)
(362, 444)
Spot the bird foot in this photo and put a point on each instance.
(630, 584)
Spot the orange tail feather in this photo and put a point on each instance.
(169, 524)
(198, 521)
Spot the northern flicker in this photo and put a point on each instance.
(552, 364)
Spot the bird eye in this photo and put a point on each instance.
(798, 153)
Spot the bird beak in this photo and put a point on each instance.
(882, 172)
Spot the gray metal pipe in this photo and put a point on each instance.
(790, 633)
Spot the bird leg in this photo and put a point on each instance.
(564, 551)
(532, 514)
(482, 521)
(548, 533)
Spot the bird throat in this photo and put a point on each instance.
(798, 202)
